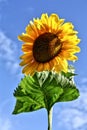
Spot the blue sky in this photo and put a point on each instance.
(14, 16)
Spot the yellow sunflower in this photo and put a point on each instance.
(48, 44)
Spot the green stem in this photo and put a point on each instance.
(50, 119)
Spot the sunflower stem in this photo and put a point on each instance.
(50, 119)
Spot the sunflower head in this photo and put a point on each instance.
(48, 44)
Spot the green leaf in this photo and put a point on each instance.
(43, 90)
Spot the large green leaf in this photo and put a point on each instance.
(43, 90)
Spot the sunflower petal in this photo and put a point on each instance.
(71, 49)
(46, 66)
(27, 47)
(63, 65)
(51, 63)
(30, 31)
(44, 18)
(66, 26)
(26, 56)
(69, 56)
(25, 38)
(26, 61)
(32, 69)
(27, 67)
(33, 26)
(53, 21)
(40, 67)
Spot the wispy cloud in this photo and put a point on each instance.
(8, 53)
(7, 47)
(5, 124)
(84, 80)
(74, 114)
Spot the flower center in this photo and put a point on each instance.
(46, 47)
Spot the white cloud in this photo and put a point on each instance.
(79, 121)
(8, 53)
(72, 118)
(12, 66)
(84, 80)
(5, 121)
(5, 124)
(74, 115)
(7, 47)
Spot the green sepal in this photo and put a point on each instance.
(43, 90)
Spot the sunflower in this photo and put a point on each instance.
(48, 45)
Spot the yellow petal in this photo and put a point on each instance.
(32, 69)
(25, 38)
(27, 47)
(51, 63)
(26, 61)
(70, 41)
(44, 19)
(27, 55)
(31, 32)
(63, 64)
(73, 58)
(68, 56)
(71, 49)
(28, 66)
(46, 66)
(40, 67)
(58, 25)
(67, 26)
(53, 20)
(39, 25)
(34, 28)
